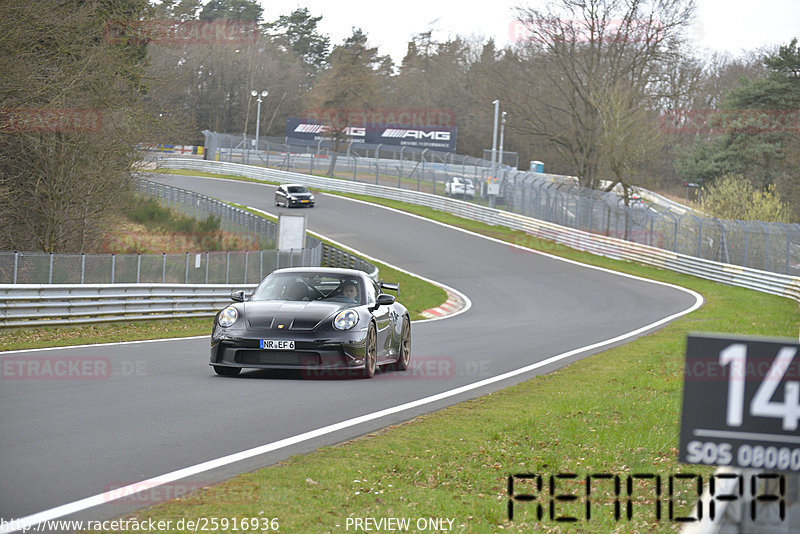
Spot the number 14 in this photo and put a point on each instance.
(762, 404)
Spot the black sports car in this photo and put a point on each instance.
(321, 320)
(289, 195)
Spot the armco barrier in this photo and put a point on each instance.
(764, 281)
(57, 304)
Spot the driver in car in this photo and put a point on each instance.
(350, 292)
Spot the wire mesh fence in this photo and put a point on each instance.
(768, 246)
(217, 267)
(225, 267)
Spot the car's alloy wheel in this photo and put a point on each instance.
(405, 346)
(370, 353)
(226, 371)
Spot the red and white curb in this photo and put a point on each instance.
(454, 303)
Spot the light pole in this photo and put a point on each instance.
(502, 131)
(258, 112)
(494, 154)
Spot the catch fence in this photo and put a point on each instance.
(767, 246)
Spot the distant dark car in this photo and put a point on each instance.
(289, 195)
(320, 320)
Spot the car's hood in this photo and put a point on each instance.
(288, 315)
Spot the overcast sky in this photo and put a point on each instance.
(721, 25)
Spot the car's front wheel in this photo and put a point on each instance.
(227, 371)
(370, 353)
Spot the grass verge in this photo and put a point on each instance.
(616, 412)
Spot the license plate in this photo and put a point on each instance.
(276, 344)
(304, 201)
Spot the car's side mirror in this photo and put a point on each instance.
(384, 300)
(238, 295)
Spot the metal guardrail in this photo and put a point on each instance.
(764, 281)
(334, 257)
(58, 304)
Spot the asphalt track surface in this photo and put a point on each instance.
(157, 407)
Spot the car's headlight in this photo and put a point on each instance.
(311, 197)
(228, 316)
(345, 320)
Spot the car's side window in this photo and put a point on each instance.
(372, 292)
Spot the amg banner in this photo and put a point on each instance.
(433, 137)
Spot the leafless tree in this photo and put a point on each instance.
(571, 54)
(70, 119)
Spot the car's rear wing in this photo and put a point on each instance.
(390, 287)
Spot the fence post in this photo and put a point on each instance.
(186, 277)
(138, 267)
(113, 266)
(245, 267)
(206, 268)
(163, 267)
(788, 252)
(766, 245)
(16, 265)
(83, 267)
(227, 266)
(50, 274)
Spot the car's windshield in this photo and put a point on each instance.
(297, 189)
(308, 286)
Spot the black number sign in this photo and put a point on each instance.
(741, 403)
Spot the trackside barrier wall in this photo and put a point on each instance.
(57, 304)
(611, 247)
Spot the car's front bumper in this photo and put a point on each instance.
(343, 351)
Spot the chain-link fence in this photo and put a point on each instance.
(559, 199)
(223, 267)
(226, 267)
